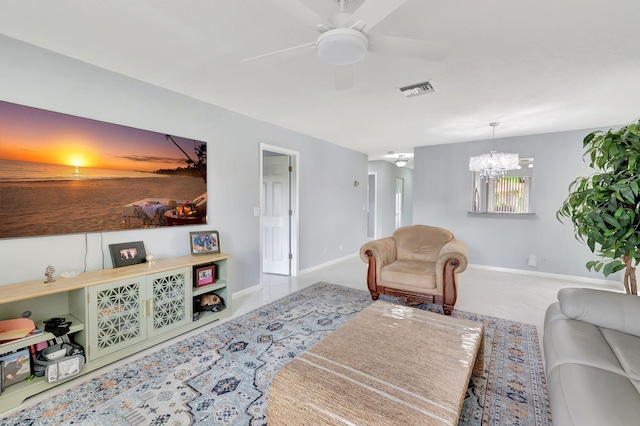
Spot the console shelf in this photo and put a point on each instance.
(76, 325)
(197, 291)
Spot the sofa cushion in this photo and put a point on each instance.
(413, 274)
(583, 396)
(608, 309)
(571, 341)
(420, 242)
(626, 348)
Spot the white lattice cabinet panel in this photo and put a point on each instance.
(116, 316)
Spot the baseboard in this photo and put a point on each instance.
(547, 275)
(246, 291)
(258, 287)
(331, 262)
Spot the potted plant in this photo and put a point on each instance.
(605, 207)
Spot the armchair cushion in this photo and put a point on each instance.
(410, 275)
(420, 242)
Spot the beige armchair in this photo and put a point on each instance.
(417, 264)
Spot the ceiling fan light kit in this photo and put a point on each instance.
(342, 46)
(345, 37)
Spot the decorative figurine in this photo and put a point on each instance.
(49, 274)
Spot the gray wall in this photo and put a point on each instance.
(331, 207)
(442, 185)
(386, 192)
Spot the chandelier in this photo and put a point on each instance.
(401, 161)
(494, 164)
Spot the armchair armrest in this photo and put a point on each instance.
(384, 252)
(607, 309)
(454, 249)
(383, 249)
(452, 259)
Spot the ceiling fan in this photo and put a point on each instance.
(345, 38)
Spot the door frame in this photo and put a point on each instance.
(295, 203)
(373, 214)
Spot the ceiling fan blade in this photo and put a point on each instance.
(344, 77)
(371, 12)
(408, 47)
(284, 53)
(302, 12)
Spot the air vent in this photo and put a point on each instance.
(417, 89)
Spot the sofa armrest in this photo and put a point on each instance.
(606, 309)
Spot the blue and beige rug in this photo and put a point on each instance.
(222, 376)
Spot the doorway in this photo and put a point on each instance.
(279, 212)
(399, 201)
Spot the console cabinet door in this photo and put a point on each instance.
(170, 293)
(116, 316)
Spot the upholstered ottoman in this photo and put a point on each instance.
(388, 365)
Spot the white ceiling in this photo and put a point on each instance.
(536, 67)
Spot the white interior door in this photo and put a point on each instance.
(276, 217)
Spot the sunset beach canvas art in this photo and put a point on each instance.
(63, 174)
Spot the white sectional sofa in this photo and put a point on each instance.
(592, 358)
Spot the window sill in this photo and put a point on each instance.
(499, 214)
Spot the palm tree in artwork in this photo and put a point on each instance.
(201, 154)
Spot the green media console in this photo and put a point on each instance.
(114, 312)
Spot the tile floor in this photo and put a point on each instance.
(512, 296)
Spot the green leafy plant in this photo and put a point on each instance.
(605, 207)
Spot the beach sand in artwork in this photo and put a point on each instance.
(78, 206)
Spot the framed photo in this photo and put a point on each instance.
(204, 242)
(17, 367)
(204, 275)
(125, 254)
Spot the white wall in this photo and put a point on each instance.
(442, 197)
(331, 207)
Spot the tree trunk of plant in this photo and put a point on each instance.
(630, 284)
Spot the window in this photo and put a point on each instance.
(508, 194)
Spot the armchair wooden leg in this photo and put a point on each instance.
(371, 275)
(450, 291)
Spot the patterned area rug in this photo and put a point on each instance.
(222, 376)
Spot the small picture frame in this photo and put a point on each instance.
(125, 254)
(17, 367)
(204, 275)
(204, 242)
